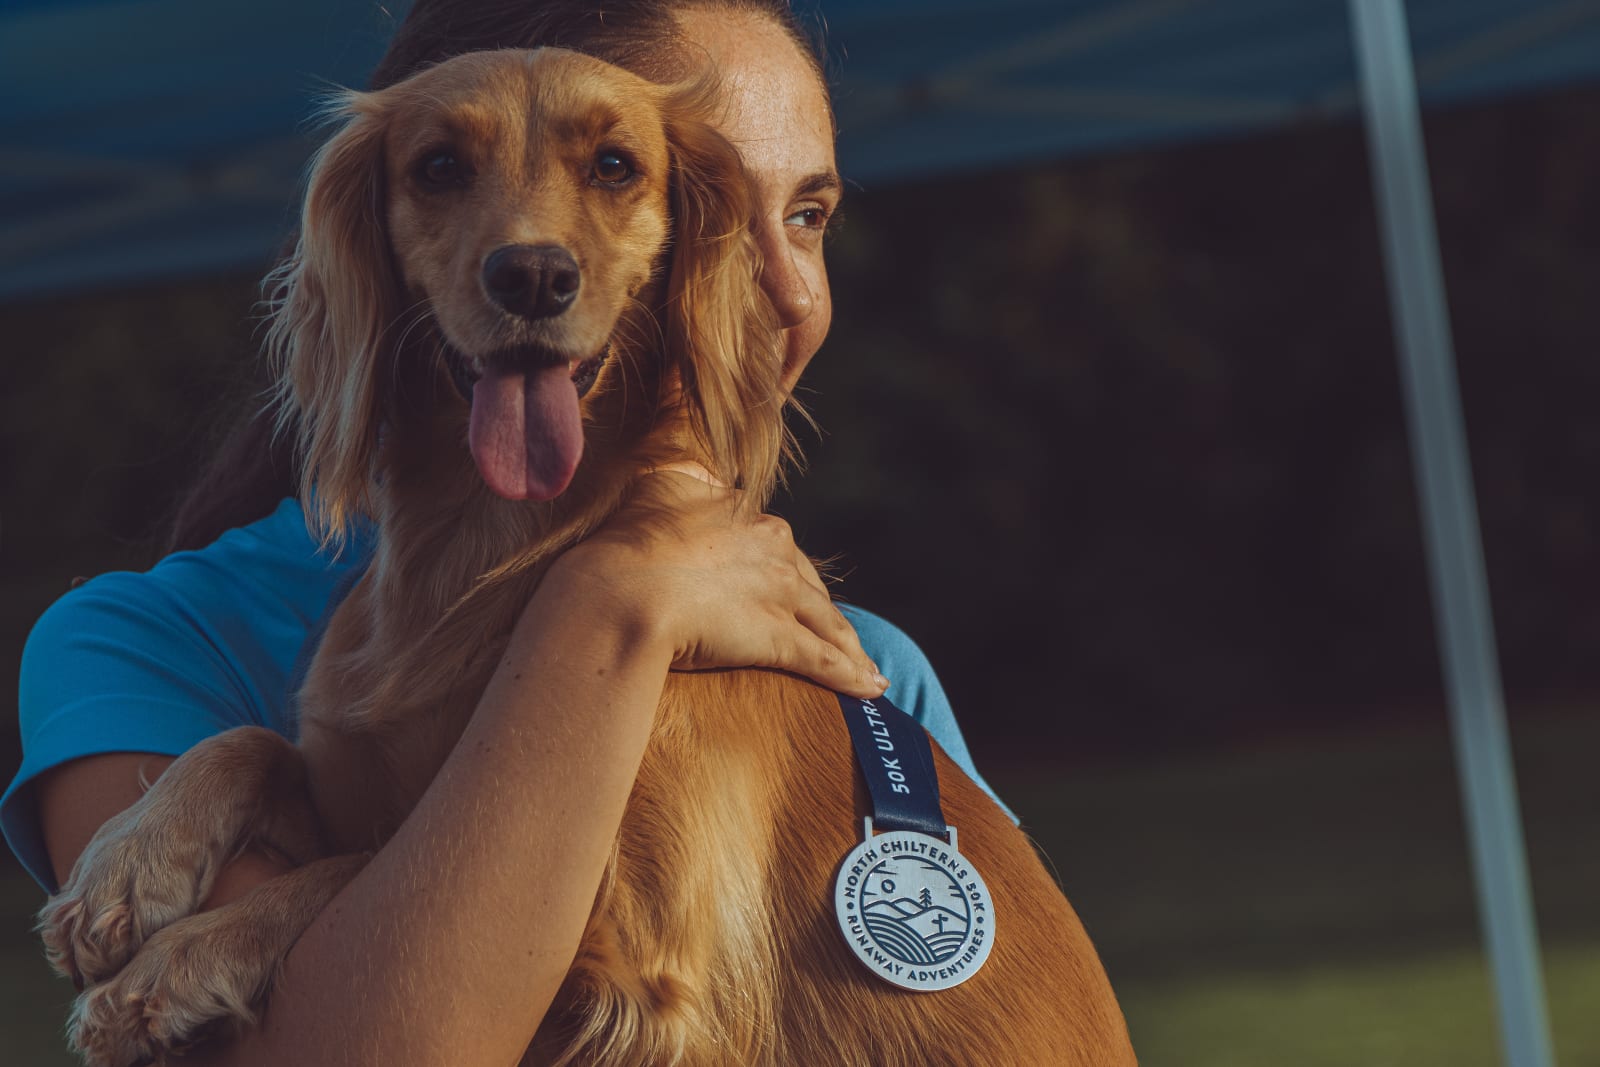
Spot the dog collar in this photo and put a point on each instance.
(913, 910)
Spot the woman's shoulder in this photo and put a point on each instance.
(899, 659)
(275, 558)
(914, 686)
(222, 622)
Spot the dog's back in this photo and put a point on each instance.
(714, 939)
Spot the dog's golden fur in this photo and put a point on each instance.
(712, 940)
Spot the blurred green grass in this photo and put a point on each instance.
(1309, 902)
(33, 1001)
(1302, 904)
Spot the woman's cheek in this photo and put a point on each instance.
(802, 341)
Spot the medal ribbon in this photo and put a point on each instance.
(897, 762)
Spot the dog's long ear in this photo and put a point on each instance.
(332, 303)
(721, 331)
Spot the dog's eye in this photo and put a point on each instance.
(441, 170)
(612, 168)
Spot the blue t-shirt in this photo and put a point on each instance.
(208, 640)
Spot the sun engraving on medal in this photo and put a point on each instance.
(915, 911)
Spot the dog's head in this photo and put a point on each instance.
(510, 220)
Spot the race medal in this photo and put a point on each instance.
(913, 910)
(911, 907)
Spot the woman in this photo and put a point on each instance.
(451, 944)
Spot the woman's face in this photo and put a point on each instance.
(778, 119)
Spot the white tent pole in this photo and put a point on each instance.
(1449, 512)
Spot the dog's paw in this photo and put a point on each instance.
(127, 885)
(188, 983)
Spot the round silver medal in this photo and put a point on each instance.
(913, 910)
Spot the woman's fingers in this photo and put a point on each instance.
(835, 670)
(819, 614)
(816, 611)
(825, 663)
(723, 586)
(823, 617)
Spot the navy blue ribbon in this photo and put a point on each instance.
(897, 762)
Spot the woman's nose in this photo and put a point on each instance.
(783, 282)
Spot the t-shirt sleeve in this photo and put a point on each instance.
(914, 687)
(110, 668)
(158, 661)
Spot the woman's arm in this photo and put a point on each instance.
(451, 943)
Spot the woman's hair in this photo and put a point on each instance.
(254, 467)
(639, 35)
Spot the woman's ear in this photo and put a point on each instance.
(332, 302)
(722, 334)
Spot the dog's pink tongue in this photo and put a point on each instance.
(526, 433)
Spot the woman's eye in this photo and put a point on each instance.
(612, 168)
(810, 218)
(441, 169)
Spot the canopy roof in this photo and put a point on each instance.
(152, 138)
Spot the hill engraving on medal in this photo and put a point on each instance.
(915, 930)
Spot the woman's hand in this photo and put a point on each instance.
(719, 586)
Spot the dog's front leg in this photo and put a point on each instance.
(194, 979)
(155, 862)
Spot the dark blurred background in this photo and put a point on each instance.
(1119, 441)
(1122, 440)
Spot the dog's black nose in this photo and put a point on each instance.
(531, 281)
